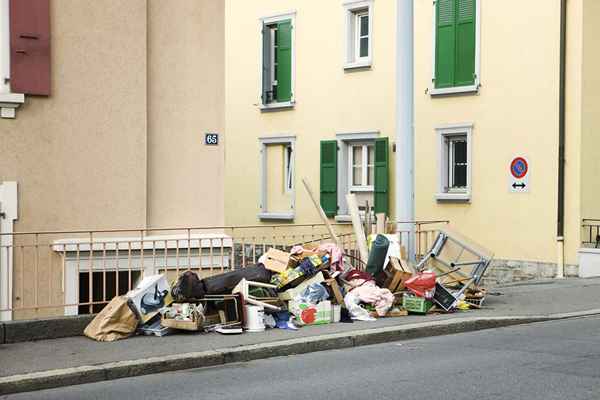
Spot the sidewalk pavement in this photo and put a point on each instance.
(36, 365)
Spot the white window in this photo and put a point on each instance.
(356, 171)
(359, 28)
(361, 166)
(455, 162)
(278, 61)
(277, 194)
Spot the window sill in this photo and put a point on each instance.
(457, 197)
(270, 216)
(9, 102)
(278, 106)
(343, 219)
(361, 189)
(454, 90)
(358, 65)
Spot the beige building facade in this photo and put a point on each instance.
(107, 132)
(119, 141)
(487, 90)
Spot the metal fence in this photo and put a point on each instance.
(78, 272)
(590, 233)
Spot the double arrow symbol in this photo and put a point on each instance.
(518, 185)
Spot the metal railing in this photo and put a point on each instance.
(590, 233)
(56, 273)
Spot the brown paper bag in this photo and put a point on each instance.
(116, 321)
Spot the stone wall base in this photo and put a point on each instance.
(508, 271)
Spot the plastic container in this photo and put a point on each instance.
(336, 315)
(416, 305)
(255, 321)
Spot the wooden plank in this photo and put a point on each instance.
(361, 240)
(337, 293)
(324, 218)
(380, 223)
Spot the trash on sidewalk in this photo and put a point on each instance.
(306, 284)
(116, 321)
(150, 295)
(184, 316)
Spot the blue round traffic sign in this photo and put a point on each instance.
(519, 167)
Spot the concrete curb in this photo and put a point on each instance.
(125, 369)
(41, 329)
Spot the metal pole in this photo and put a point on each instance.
(405, 208)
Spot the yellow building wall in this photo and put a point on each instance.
(329, 100)
(590, 149)
(514, 113)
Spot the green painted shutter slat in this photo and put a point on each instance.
(284, 61)
(382, 176)
(328, 181)
(266, 64)
(465, 43)
(445, 43)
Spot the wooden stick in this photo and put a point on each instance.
(361, 240)
(380, 223)
(336, 240)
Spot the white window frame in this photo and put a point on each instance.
(345, 140)
(445, 133)
(474, 88)
(9, 101)
(352, 11)
(268, 20)
(264, 213)
(364, 186)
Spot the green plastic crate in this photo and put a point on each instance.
(416, 305)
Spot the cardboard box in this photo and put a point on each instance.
(276, 260)
(292, 293)
(311, 314)
(195, 324)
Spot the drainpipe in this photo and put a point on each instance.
(405, 196)
(560, 225)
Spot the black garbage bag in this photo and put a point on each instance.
(188, 287)
(224, 283)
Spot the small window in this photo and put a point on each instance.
(277, 195)
(289, 168)
(359, 37)
(362, 35)
(277, 73)
(361, 167)
(455, 163)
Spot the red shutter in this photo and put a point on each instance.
(30, 46)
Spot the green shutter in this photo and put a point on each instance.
(455, 43)
(382, 176)
(465, 43)
(284, 61)
(445, 43)
(329, 177)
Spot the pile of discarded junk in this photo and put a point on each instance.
(308, 284)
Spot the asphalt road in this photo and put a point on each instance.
(553, 360)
